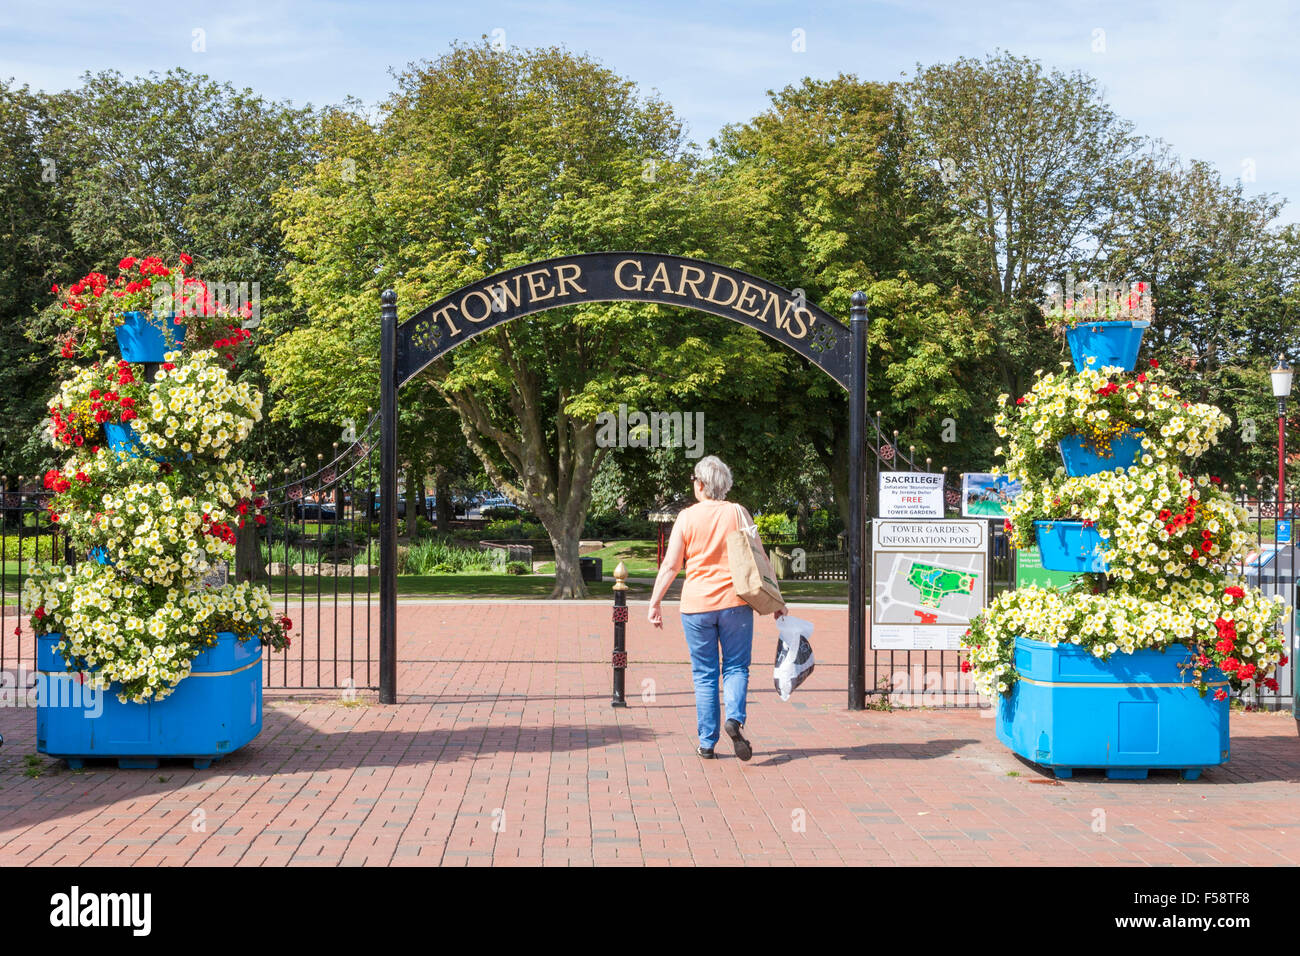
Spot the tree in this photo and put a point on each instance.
(1029, 162)
(179, 163)
(34, 245)
(835, 200)
(484, 160)
(1224, 281)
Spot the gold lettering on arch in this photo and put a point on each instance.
(480, 296)
(618, 275)
(660, 276)
(714, 288)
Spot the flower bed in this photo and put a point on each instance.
(159, 514)
(1164, 575)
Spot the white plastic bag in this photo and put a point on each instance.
(794, 655)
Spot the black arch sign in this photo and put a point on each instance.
(839, 351)
(624, 277)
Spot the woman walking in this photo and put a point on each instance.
(713, 615)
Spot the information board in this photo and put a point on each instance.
(910, 494)
(929, 578)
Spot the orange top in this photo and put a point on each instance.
(702, 529)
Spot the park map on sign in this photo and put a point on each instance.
(928, 589)
(935, 583)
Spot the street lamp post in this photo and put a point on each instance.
(1281, 374)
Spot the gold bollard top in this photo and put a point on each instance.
(620, 577)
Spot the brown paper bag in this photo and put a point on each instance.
(751, 573)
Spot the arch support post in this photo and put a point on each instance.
(388, 500)
(857, 504)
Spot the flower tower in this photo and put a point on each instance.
(151, 494)
(1131, 667)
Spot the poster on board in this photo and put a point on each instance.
(910, 494)
(987, 496)
(929, 578)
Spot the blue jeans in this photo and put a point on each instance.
(732, 629)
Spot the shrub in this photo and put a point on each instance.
(440, 557)
(518, 567)
(513, 529)
(775, 526)
(507, 514)
(614, 526)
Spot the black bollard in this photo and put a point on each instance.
(620, 634)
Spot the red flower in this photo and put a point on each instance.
(186, 260)
(965, 667)
(126, 263)
(1229, 665)
(1020, 400)
(1154, 364)
(167, 366)
(1246, 672)
(1234, 592)
(1220, 694)
(1270, 683)
(40, 612)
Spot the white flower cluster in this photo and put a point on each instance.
(138, 622)
(1122, 621)
(1102, 404)
(1168, 540)
(1154, 522)
(111, 625)
(195, 409)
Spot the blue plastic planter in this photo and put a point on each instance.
(213, 712)
(1069, 546)
(1106, 343)
(122, 438)
(1130, 714)
(1081, 459)
(140, 340)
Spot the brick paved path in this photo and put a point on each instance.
(504, 750)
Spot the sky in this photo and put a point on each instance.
(1218, 81)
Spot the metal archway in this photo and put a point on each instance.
(676, 281)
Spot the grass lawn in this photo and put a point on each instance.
(637, 554)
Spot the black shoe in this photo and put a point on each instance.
(706, 753)
(743, 750)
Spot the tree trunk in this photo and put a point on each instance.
(414, 499)
(568, 572)
(248, 554)
(442, 490)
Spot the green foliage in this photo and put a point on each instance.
(440, 557)
(483, 160)
(517, 567)
(775, 526)
(518, 530)
(605, 527)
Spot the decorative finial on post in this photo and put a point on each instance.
(619, 657)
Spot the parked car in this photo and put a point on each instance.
(314, 511)
(401, 505)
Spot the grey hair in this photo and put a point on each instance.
(715, 475)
